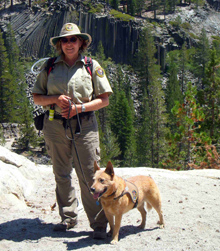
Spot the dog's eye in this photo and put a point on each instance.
(101, 181)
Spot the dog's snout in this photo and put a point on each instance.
(92, 189)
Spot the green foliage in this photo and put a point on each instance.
(5, 82)
(98, 8)
(186, 26)
(173, 90)
(121, 118)
(131, 7)
(122, 126)
(210, 97)
(110, 149)
(216, 45)
(114, 4)
(152, 117)
(140, 6)
(121, 16)
(145, 59)
(15, 104)
(187, 145)
(17, 75)
(28, 135)
(201, 58)
(177, 22)
(198, 2)
(2, 138)
(192, 35)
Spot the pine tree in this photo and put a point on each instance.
(110, 149)
(211, 97)
(183, 58)
(5, 82)
(122, 116)
(201, 58)
(187, 145)
(216, 45)
(114, 4)
(140, 6)
(152, 118)
(145, 61)
(108, 142)
(16, 73)
(122, 126)
(28, 137)
(18, 104)
(131, 7)
(173, 89)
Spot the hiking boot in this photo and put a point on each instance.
(99, 233)
(63, 226)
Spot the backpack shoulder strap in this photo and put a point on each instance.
(88, 65)
(89, 68)
(50, 65)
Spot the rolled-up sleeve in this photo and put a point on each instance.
(40, 86)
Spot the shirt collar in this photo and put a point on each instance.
(79, 59)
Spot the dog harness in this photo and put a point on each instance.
(132, 190)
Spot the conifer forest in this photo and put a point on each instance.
(161, 118)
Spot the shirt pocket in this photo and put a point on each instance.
(83, 87)
(56, 85)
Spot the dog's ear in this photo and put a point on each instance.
(109, 169)
(96, 167)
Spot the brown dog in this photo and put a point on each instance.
(116, 200)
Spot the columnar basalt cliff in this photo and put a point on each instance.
(34, 27)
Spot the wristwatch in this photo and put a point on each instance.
(83, 107)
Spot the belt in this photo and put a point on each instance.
(81, 115)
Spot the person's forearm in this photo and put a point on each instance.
(45, 100)
(96, 104)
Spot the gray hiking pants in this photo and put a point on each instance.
(63, 155)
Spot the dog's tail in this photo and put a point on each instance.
(149, 207)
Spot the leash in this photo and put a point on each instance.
(73, 140)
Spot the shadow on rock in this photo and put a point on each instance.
(33, 229)
(88, 241)
(130, 230)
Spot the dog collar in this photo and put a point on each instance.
(112, 194)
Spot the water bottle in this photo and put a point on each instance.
(51, 113)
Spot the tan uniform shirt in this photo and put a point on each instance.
(72, 81)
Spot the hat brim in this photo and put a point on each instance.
(84, 36)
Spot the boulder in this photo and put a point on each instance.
(17, 180)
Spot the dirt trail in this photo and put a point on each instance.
(191, 207)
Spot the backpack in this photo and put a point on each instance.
(39, 120)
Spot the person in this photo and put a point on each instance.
(69, 89)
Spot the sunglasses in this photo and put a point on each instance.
(65, 40)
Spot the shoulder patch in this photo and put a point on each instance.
(100, 72)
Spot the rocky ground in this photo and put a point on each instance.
(190, 200)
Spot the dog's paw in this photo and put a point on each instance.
(161, 225)
(141, 226)
(114, 242)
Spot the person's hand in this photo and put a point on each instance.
(68, 112)
(63, 101)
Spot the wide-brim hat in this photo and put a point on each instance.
(70, 29)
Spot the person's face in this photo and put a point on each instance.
(70, 45)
